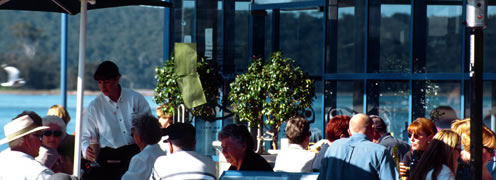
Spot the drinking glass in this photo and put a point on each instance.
(95, 145)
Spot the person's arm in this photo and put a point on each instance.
(49, 158)
(405, 165)
(143, 106)
(88, 129)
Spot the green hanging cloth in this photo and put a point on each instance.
(189, 80)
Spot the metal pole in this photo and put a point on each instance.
(80, 88)
(476, 21)
(166, 31)
(476, 50)
(63, 59)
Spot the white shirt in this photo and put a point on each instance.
(444, 174)
(141, 164)
(164, 145)
(184, 165)
(294, 159)
(19, 165)
(113, 119)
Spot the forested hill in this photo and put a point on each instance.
(130, 36)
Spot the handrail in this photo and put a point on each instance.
(180, 113)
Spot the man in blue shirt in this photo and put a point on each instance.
(357, 157)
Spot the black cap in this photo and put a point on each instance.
(183, 131)
(444, 124)
(379, 124)
(106, 70)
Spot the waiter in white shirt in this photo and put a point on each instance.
(107, 121)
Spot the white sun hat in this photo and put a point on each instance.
(20, 127)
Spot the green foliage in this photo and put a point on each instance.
(277, 91)
(167, 91)
(211, 81)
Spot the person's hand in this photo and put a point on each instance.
(403, 169)
(90, 154)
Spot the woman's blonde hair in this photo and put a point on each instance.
(462, 127)
(439, 152)
(160, 112)
(60, 111)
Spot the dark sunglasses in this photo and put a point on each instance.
(416, 136)
(55, 133)
(489, 150)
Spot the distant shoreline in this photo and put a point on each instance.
(144, 92)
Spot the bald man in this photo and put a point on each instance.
(357, 157)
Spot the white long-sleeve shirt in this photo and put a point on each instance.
(19, 165)
(112, 119)
(184, 165)
(142, 163)
(294, 159)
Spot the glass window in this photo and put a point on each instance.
(438, 93)
(444, 42)
(314, 116)
(489, 39)
(394, 39)
(268, 34)
(350, 40)
(301, 38)
(389, 100)
(184, 22)
(241, 37)
(343, 98)
(489, 104)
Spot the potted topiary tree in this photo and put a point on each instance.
(168, 94)
(268, 95)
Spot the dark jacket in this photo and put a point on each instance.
(253, 162)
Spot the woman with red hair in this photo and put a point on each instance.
(336, 128)
(420, 133)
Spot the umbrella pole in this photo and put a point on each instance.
(80, 88)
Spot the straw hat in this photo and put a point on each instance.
(20, 127)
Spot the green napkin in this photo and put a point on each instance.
(189, 80)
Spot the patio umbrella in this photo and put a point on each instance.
(74, 7)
